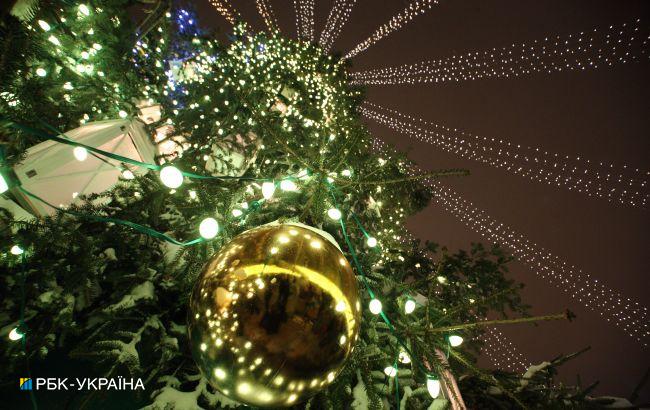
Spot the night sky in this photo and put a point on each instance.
(599, 114)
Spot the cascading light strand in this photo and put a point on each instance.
(413, 10)
(304, 18)
(628, 315)
(268, 15)
(227, 10)
(614, 183)
(613, 45)
(502, 352)
(336, 19)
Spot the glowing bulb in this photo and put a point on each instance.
(80, 153)
(44, 25)
(372, 242)
(83, 9)
(127, 174)
(334, 213)
(390, 371)
(122, 114)
(85, 55)
(346, 173)
(209, 228)
(455, 340)
(16, 250)
(433, 386)
(54, 40)
(41, 72)
(375, 306)
(237, 213)
(409, 306)
(171, 176)
(288, 185)
(268, 188)
(3, 185)
(15, 334)
(404, 358)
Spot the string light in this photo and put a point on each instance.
(44, 25)
(409, 306)
(268, 189)
(16, 250)
(80, 153)
(371, 242)
(622, 311)
(455, 340)
(433, 386)
(404, 357)
(336, 19)
(288, 185)
(375, 306)
(15, 334)
(127, 174)
(171, 176)
(226, 9)
(501, 352)
(304, 18)
(266, 11)
(414, 9)
(41, 72)
(83, 9)
(390, 371)
(334, 214)
(576, 173)
(575, 52)
(208, 228)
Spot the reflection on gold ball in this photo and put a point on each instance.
(274, 315)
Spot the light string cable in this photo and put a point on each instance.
(586, 50)
(227, 10)
(414, 9)
(614, 183)
(268, 15)
(336, 19)
(628, 315)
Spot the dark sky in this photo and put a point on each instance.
(601, 114)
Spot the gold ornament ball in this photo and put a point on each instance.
(274, 315)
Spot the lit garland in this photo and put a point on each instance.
(625, 313)
(304, 18)
(266, 11)
(594, 179)
(227, 10)
(502, 353)
(336, 19)
(414, 9)
(576, 52)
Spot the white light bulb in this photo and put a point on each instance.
(127, 174)
(334, 213)
(237, 213)
(44, 25)
(41, 72)
(375, 306)
(404, 358)
(171, 176)
(80, 153)
(346, 173)
(3, 184)
(209, 228)
(390, 371)
(455, 340)
(16, 250)
(268, 188)
(409, 306)
(122, 114)
(83, 9)
(433, 386)
(54, 40)
(288, 185)
(372, 242)
(15, 334)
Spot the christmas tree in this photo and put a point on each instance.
(261, 129)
